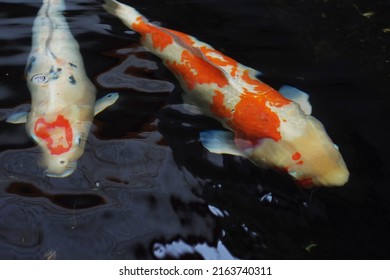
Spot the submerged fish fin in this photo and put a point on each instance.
(187, 109)
(219, 142)
(297, 96)
(18, 117)
(105, 101)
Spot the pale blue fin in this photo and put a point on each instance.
(219, 142)
(187, 109)
(297, 96)
(18, 117)
(105, 101)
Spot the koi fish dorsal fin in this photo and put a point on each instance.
(298, 97)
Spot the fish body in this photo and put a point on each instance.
(62, 96)
(265, 126)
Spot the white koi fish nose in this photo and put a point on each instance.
(60, 168)
(335, 177)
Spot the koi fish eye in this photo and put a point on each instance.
(40, 79)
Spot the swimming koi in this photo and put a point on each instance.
(62, 97)
(269, 127)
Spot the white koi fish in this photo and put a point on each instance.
(62, 96)
(265, 126)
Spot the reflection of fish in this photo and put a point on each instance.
(62, 97)
(268, 128)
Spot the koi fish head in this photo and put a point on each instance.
(62, 143)
(304, 150)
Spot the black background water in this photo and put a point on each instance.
(145, 187)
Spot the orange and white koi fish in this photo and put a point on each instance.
(265, 126)
(62, 97)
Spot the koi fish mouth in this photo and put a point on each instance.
(67, 171)
(58, 135)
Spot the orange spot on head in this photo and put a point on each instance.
(195, 70)
(160, 38)
(300, 162)
(218, 107)
(296, 156)
(44, 130)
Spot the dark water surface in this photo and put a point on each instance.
(146, 188)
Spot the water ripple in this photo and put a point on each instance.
(121, 77)
(18, 164)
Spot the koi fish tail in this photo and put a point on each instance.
(126, 14)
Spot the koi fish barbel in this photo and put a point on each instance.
(269, 127)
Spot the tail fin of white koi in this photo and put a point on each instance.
(126, 14)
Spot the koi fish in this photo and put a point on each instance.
(62, 97)
(269, 127)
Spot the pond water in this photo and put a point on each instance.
(145, 187)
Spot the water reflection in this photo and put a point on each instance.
(145, 187)
(125, 195)
(123, 76)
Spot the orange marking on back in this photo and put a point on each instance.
(253, 120)
(223, 61)
(159, 38)
(43, 130)
(274, 97)
(185, 38)
(218, 107)
(195, 70)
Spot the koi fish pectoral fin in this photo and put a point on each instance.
(17, 115)
(186, 109)
(298, 97)
(220, 142)
(17, 118)
(105, 102)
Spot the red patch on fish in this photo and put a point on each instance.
(218, 107)
(184, 38)
(57, 143)
(220, 59)
(296, 156)
(159, 38)
(195, 70)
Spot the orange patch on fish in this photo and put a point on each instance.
(220, 59)
(195, 70)
(159, 38)
(185, 38)
(274, 98)
(253, 119)
(218, 107)
(57, 143)
(296, 156)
